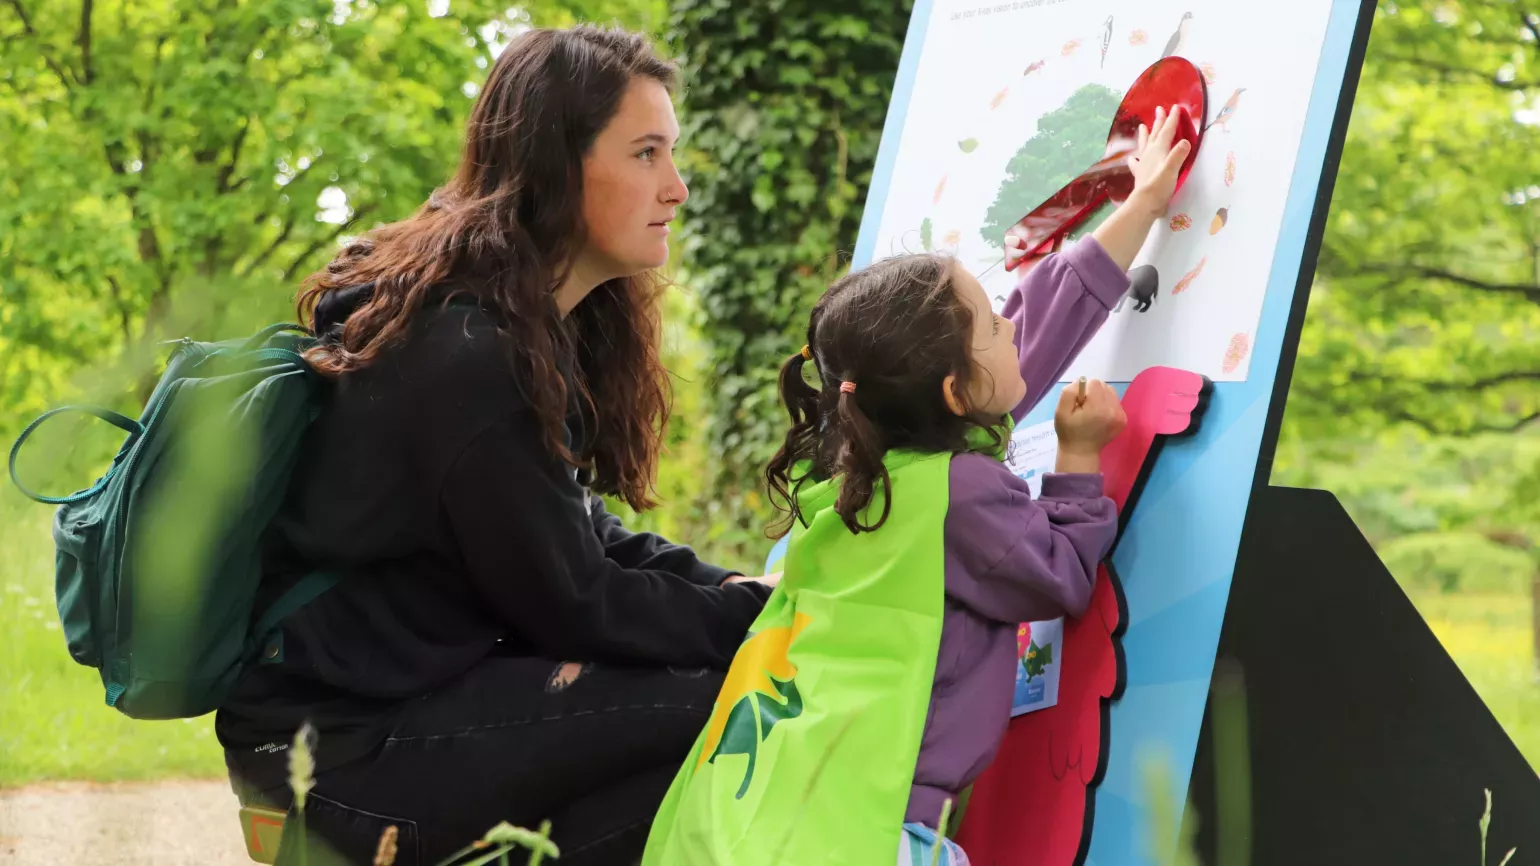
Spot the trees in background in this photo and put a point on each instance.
(172, 167)
(782, 117)
(1426, 312)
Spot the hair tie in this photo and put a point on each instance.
(847, 387)
(807, 353)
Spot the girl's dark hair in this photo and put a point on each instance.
(505, 230)
(895, 330)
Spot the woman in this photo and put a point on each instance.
(498, 648)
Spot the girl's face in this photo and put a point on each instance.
(631, 188)
(996, 387)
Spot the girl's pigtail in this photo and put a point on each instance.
(860, 463)
(801, 444)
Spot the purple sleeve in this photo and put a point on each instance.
(1057, 307)
(1012, 559)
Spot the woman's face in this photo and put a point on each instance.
(631, 188)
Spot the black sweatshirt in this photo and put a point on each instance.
(426, 485)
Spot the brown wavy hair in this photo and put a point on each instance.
(505, 230)
(895, 330)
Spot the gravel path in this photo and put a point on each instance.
(184, 823)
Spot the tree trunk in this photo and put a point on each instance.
(1534, 614)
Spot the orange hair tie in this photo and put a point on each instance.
(807, 353)
(847, 387)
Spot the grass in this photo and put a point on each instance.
(54, 723)
(55, 726)
(1489, 636)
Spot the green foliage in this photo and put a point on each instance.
(173, 169)
(691, 512)
(1427, 305)
(1405, 482)
(783, 113)
(1068, 140)
(1458, 561)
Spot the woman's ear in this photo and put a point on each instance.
(949, 394)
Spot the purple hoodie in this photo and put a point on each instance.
(1010, 559)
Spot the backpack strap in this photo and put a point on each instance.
(297, 596)
(132, 427)
(267, 333)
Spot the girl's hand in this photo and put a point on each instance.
(769, 580)
(1085, 428)
(1014, 249)
(1155, 163)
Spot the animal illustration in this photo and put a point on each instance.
(1035, 804)
(1034, 66)
(1178, 40)
(1144, 286)
(1227, 113)
(1106, 40)
(761, 682)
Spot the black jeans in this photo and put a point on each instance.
(592, 748)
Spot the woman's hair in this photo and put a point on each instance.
(505, 230)
(894, 331)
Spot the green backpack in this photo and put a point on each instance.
(157, 563)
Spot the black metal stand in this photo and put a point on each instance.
(1367, 745)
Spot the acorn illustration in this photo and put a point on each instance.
(1220, 220)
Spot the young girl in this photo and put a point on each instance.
(876, 685)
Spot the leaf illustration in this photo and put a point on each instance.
(1186, 281)
(1240, 347)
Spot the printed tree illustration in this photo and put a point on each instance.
(1036, 660)
(1069, 140)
